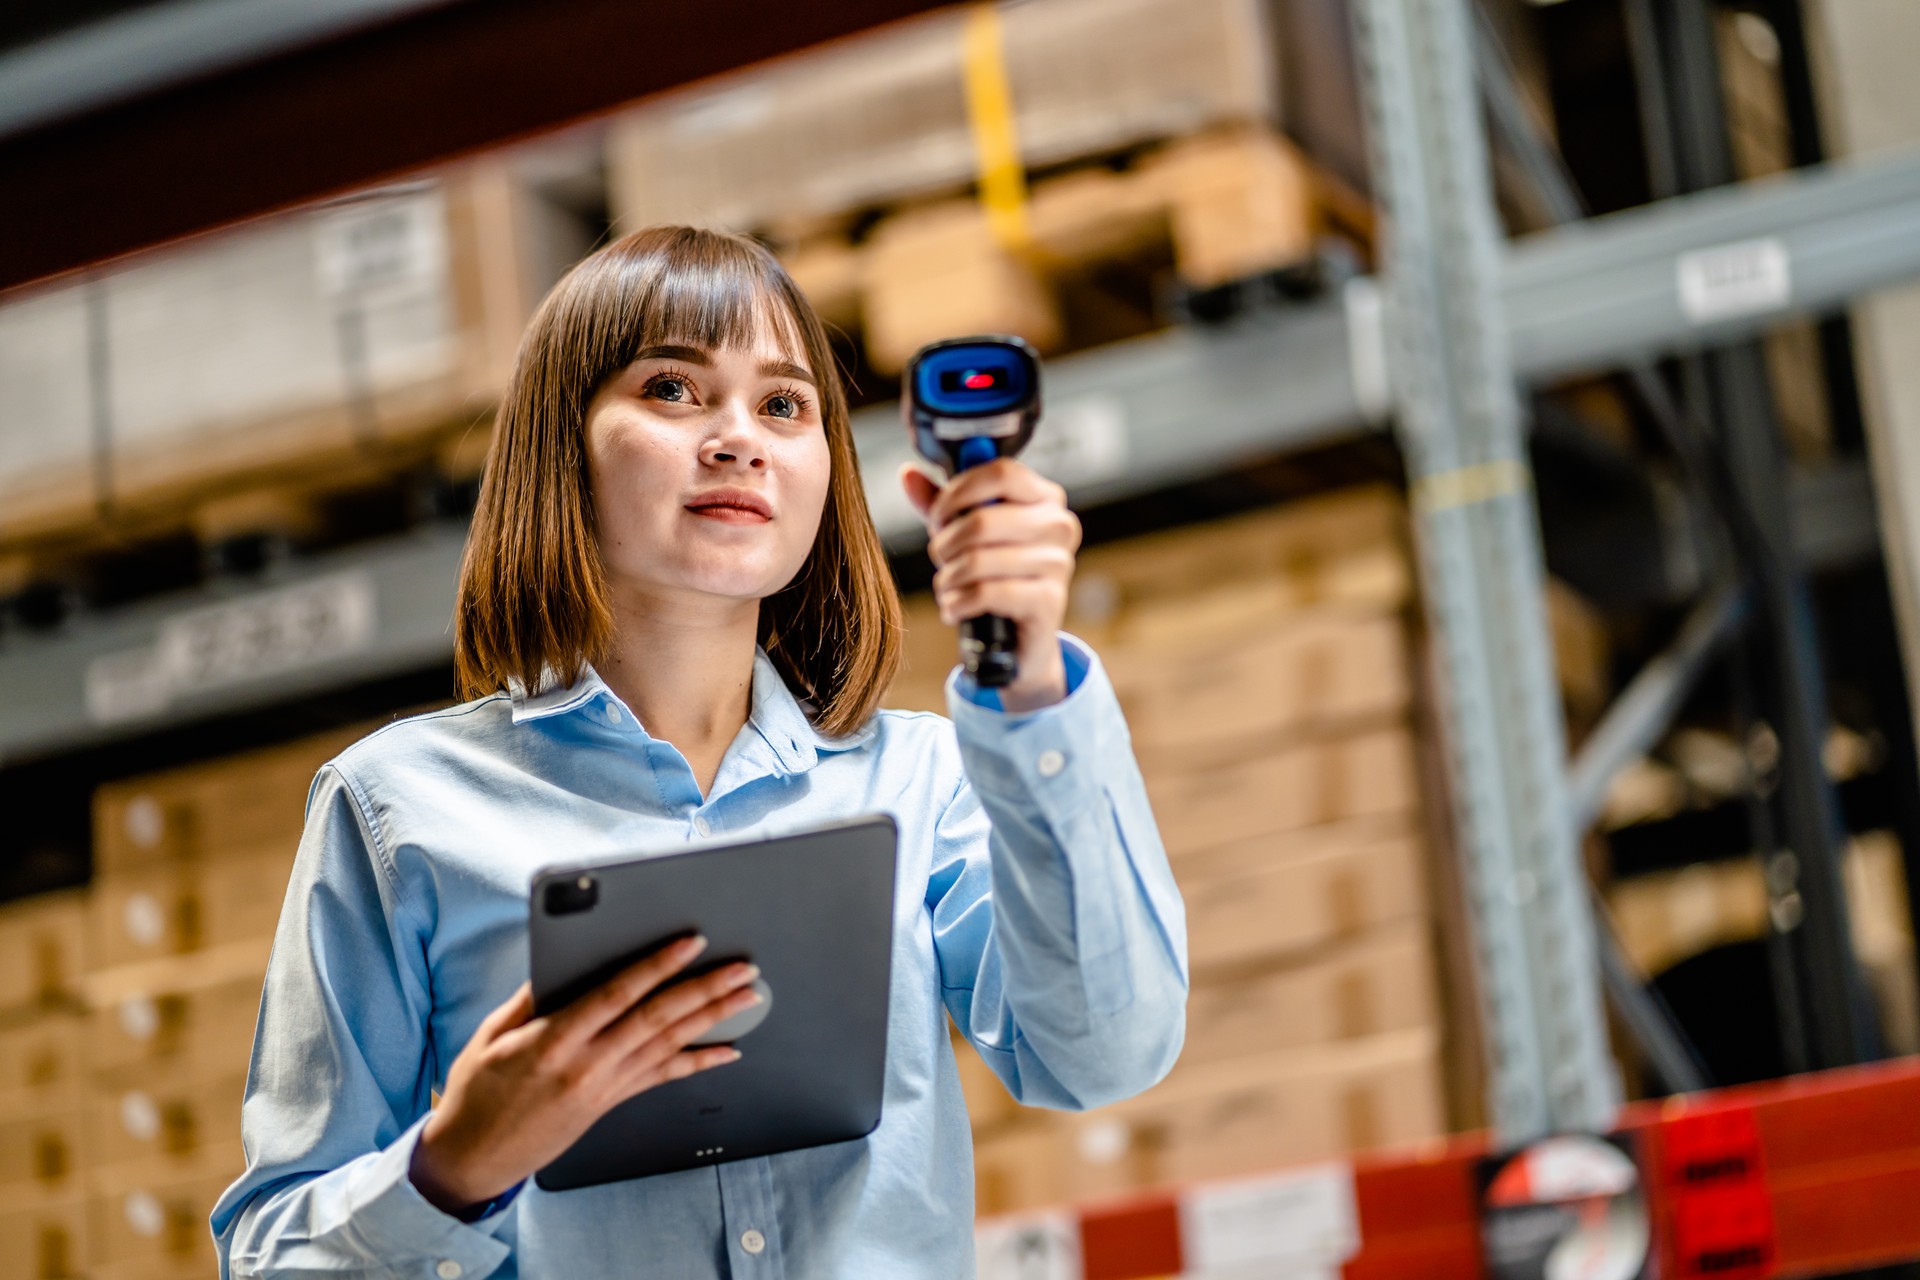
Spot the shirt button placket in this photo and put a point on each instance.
(701, 824)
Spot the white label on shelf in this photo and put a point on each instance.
(139, 1017)
(139, 1116)
(1081, 441)
(1305, 1218)
(381, 245)
(145, 1217)
(145, 922)
(1032, 1247)
(1730, 280)
(264, 634)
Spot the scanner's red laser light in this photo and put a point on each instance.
(976, 381)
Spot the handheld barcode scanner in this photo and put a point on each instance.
(968, 401)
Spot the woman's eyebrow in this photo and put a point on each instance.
(692, 355)
(786, 369)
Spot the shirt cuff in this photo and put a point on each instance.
(397, 1220)
(1057, 754)
(1076, 656)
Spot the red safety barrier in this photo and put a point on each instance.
(1796, 1178)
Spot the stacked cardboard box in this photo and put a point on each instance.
(1266, 665)
(43, 1138)
(191, 872)
(882, 117)
(334, 340)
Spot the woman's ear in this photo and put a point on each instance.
(922, 488)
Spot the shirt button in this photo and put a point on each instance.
(701, 824)
(613, 714)
(448, 1269)
(1050, 763)
(752, 1241)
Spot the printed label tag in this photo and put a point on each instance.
(1305, 1218)
(1732, 280)
(1717, 1187)
(1035, 1247)
(264, 634)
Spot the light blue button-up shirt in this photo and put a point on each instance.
(1034, 906)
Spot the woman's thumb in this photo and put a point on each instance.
(921, 488)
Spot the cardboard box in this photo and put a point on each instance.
(1383, 982)
(884, 116)
(1244, 1115)
(41, 1062)
(1289, 902)
(44, 1154)
(1187, 587)
(169, 1118)
(1362, 774)
(1213, 695)
(218, 809)
(181, 907)
(45, 1239)
(207, 1030)
(42, 948)
(149, 1221)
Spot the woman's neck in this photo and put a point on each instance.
(686, 670)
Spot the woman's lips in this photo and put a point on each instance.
(729, 515)
(731, 504)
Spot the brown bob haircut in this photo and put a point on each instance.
(533, 600)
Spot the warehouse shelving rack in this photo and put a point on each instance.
(1434, 349)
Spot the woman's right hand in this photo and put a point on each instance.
(525, 1088)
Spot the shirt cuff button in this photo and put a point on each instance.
(448, 1269)
(1050, 763)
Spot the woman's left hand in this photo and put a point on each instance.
(1013, 558)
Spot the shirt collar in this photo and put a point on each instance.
(781, 720)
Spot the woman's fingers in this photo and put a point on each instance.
(678, 1067)
(1002, 480)
(1024, 600)
(585, 1017)
(682, 1002)
(510, 1013)
(671, 1039)
(982, 564)
(1005, 526)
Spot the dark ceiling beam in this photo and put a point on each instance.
(367, 108)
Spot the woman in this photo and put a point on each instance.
(675, 621)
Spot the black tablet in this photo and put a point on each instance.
(814, 909)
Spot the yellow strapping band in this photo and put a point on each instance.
(1466, 485)
(996, 145)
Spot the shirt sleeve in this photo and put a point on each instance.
(1060, 935)
(338, 1087)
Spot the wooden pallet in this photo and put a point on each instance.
(1205, 211)
(244, 523)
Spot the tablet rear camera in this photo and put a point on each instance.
(570, 897)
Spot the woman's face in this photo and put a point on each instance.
(709, 469)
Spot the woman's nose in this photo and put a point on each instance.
(735, 440)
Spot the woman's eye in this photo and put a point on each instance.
(670, 389)
(783, 406)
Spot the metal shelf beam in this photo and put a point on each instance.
(1128, 418)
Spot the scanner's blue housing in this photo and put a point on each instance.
(926, 401)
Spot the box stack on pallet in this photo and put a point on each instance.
(191, 871)
(238, 386)
(1268, 670)
(43, 1138)
(1147, 132)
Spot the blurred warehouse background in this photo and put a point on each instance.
(266, 268)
